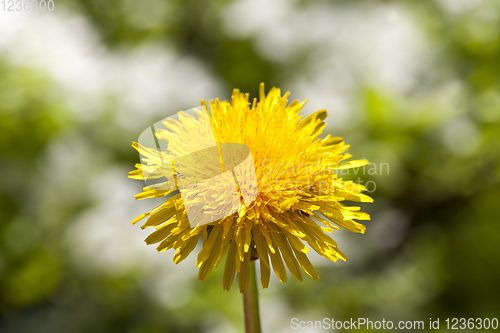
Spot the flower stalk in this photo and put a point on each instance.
(251, 300)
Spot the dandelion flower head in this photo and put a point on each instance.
(297, 202)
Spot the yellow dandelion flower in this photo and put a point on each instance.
(287, 195)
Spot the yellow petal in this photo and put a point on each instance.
(159, 234)
(287, 253)
(265, 271)
(278, 266)
(244, 274)
(230, 267)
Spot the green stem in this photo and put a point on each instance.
(251, 303)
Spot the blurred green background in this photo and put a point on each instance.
(415, 84)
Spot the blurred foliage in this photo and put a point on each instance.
(441, 197)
